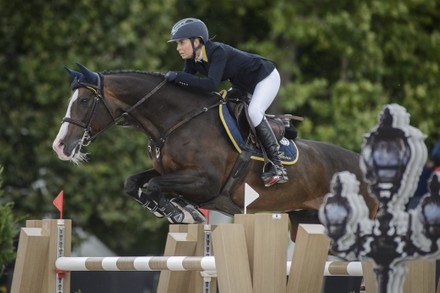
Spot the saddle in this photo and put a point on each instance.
(238, 102)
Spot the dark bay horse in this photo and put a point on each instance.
(191, 152)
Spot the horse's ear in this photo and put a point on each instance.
(77, 76)
(74, 74)
(89, 76)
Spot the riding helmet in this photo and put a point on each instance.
(189, 28)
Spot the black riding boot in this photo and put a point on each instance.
(276, 173)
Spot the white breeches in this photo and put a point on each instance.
(264, 94)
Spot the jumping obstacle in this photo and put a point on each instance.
(177, 264)
(247, 256)
(144, 264)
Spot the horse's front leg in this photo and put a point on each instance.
(133, 186)
(147, 188)
(182, 183)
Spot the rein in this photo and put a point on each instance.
(152, 92)
(162, 139)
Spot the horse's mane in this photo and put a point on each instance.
(155, 74)
(128, 71)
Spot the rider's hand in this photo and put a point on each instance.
(171, 76)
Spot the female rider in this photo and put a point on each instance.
(248, 72)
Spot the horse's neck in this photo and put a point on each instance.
(172, 105)
(160, 111)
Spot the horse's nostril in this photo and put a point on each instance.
(58, 146)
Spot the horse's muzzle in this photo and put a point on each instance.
(65, 153)
(58, 147)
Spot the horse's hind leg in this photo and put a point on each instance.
(301, 217)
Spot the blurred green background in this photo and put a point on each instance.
(340, 63)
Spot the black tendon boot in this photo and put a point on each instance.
(161, 208)
(276, 172)
(149, 204)
(171, 211)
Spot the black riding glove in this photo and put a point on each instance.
(171, 76)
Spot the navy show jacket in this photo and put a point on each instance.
(222, 62)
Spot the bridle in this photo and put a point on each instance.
(88, 136)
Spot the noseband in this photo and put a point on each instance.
(88, 137)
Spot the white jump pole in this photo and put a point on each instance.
(140, 263)
(178, 263)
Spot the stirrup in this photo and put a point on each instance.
(282, 173)
(271, 176)
(276, 174)
(270, 180)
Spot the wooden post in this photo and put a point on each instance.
(197, 232)
(231, 259)
(420, 277)
(248, 223)
(178, 244)
(184, 240)
(266, 237)
(31, 260)
(308, 261)
(38, 247)
(59, 232)
(369, 276)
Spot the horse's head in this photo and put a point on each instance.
(87, 115)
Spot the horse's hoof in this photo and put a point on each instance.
(177, 219)
(191, 214)
(197, 216)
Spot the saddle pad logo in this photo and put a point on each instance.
(288, 149)
(284, 141)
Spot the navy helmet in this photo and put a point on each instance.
(188, 28)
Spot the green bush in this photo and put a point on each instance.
(7, 232)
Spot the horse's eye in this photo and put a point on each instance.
(84, 100)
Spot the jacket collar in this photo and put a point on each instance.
(203, 56)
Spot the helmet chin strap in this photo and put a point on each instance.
(195, 48)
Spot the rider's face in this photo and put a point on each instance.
(185, 49)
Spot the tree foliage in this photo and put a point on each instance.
(340, 62)
(8, 231)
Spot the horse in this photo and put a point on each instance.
(193, 158)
